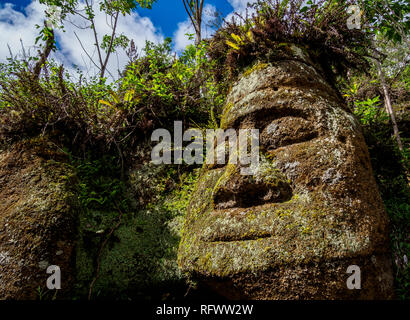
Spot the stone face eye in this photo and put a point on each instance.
(286, 131)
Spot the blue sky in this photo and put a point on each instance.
(166, 14)
(167, 19)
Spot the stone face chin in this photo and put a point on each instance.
(313, 208)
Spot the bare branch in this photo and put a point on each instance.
(104, 66)
(95, 35)
(188, 10)
(81, 44)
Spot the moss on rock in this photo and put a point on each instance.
(38, 210)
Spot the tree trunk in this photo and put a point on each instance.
(198, 36)
(195, 10)
(43, 56)
(388, 105)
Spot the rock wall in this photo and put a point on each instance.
(38, 211)
(42, 223)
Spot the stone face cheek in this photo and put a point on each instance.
(312, 209)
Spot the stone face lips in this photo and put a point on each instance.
(245, 242)
(37, 220)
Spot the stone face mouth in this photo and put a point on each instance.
(246, 238)
(238, 224)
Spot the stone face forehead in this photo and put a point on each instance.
(286, 87)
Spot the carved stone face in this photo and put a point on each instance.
(312, 208)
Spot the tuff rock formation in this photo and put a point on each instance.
(311, 210)
(42, 223)
(37, 220)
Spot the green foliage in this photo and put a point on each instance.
(99, 186)
(124, 6)
(54, 104)
(390, 167)
(154, 81)
(319, 26)
(86, 11)
(120, 41)
(166, 86)
(389, 17)
(181, 195)
(45, 34)
(155, 90)
(369, 111)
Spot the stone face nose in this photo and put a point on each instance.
(239, 191)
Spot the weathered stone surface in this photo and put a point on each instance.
(327, 213)
(42, 224)
(37, 220)
(139, 261)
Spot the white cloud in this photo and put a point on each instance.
(181, 40)
(239, 6)
(15, 25)
(186, 27)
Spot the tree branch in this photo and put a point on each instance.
(104, 66)
(81, 44)
(189, 12)
(95, 34)
(44, 55)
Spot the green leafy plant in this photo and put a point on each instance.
(319, 26)
(182, 193)
(100, 186)
(370, 111)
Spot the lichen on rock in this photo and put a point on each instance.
(38, 209)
